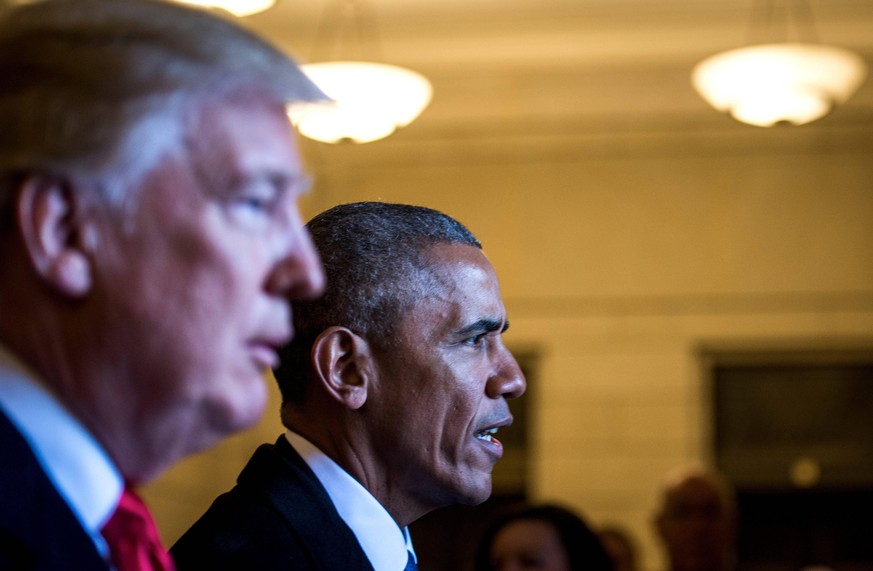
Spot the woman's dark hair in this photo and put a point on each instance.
(582, 546)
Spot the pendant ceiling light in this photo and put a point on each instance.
(370, 100)
(779, 82)
(238, 8)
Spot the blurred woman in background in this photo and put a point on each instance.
(542, 538)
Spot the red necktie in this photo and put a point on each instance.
(133, 537)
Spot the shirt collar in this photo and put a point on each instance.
(383, 541)
(73, 460)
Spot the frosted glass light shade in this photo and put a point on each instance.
(775, 83)
(370, 101)
(238, 8)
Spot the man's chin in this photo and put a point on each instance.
(229, 416)
(242, 418)
(476, 493)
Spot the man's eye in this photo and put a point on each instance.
(258, 199)
(255, 203)
(475, 340)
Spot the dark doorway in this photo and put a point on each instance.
(790, 530)
(794, 432)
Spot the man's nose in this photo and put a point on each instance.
(299, 274)
(507, 381)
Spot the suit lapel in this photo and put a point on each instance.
(292, 488)
(37, 528)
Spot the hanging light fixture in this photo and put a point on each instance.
(369, 100)
(239, 8)
(782, 82)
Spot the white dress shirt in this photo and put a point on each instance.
(73, 460)
(386, 545)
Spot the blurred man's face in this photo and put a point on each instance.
(197, 279)
(443, 385)
(696, 527)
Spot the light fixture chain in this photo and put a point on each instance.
(774, 20)
(805, 22)
(327, 33)
(347, 29)
(366, 21)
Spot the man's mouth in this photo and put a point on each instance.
(264, 348)
(487, 435)
(264, 355)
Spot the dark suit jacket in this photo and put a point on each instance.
(278, 516)
(38, 531)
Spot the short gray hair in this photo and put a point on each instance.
(101, 89)
(375, 262)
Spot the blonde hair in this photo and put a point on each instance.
(101, 89)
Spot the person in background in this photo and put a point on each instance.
(150, 242)
(620, 547)
(696, 520)
(543, 538)
(393, 391)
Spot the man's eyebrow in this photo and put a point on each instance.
(485, 326)
(299, 182)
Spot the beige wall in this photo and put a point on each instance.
(621, 254)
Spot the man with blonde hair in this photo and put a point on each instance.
(150, 243)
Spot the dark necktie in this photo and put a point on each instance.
(133, 538)
(410, 563)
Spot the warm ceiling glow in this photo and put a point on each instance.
(370, 101)
(779, 83)
(238, 8)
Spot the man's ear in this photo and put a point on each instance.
(343, 364)
(49, 220)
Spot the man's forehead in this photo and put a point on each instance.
(459, 289)
(449, 259)
(246, 142)
(695, 493)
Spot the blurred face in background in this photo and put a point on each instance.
(696, 526)
(528, 544)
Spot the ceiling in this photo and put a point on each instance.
(558, 69)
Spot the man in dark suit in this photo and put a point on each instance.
(150, 240)
(393, 389)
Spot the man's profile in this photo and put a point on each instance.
(150, 242)
(394, 389)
